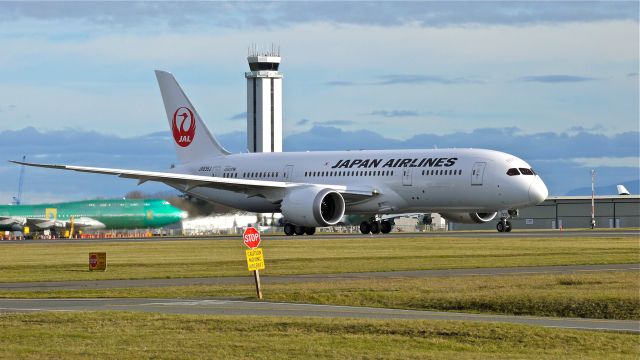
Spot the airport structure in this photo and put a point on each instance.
(264, 101)
(572, 212)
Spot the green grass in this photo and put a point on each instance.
(604, 295)
(140, 335)
(189, 258)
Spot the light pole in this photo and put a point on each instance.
(593, 195)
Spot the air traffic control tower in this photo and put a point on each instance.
(264, 101)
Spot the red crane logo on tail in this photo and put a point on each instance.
(183, 126)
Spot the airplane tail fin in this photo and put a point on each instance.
(192, 138)
(622, 190)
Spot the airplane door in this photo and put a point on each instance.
(406, 177)
(288, 173)
(477, 173)
(216, 171)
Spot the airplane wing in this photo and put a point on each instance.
(44, 224)
(31, 222)
(268, 189)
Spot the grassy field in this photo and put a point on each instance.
(134, 336)
(187, 258)
(604, 295)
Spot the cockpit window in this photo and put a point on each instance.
(513, 172)
(526, 171)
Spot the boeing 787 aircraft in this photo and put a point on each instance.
(313, 189)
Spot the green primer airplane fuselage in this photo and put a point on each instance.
(96, 214)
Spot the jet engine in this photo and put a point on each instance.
(469, 218)
(312, 206)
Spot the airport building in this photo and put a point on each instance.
(264, 101)
(572, 212)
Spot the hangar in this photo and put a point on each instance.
(572, 212)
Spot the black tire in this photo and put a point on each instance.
(500, 226)
(288, 229)
(365, 228)
(310, 230)
(375, 227)
(508, 227)
(299, 230)
(385, 227)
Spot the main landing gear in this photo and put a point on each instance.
(375, 227)
(290, 229)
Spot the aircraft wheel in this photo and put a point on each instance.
(310, 230)
(288, 229)
(365, 228)
(375, 227)
(299, 230)
(500, 226)
(385, 227)
(508, 227)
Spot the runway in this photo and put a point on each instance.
(516, 234)
(254, 308)
(233, 280)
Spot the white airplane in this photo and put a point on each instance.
(313, 189)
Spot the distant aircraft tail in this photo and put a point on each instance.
(192, 139)
(622, 190)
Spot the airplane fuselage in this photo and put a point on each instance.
(407, 180)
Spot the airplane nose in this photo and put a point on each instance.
(538, 191)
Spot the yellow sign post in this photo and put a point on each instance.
(98, 261)
(255, 259)
(255, 263)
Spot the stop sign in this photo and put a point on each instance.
(251, 238)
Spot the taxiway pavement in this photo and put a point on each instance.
(232, 280)
(255, 308)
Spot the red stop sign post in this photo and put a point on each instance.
(251, 238)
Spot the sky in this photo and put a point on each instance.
(555, 83)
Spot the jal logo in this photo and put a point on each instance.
(183, 126)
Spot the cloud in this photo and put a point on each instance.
(632, 74)
(394, 113)
(395, 79)
(341, 83)
(268, 14)
(400, 79)
(335, 123)
(552, 79)
(302, 122)
(605, 161)
(239, 116)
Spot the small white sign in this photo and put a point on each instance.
(529, 221)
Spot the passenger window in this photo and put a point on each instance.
(513, 172)
(526, 171)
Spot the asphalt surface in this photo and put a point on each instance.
(254, 308)
(434, 234)
(232, 280)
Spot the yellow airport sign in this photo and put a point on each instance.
(98, 261)
(255, 259)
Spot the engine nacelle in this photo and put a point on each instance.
(469, 218)
(312, 206)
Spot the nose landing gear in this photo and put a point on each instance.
(504, 226)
